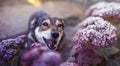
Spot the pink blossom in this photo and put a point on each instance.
(104, 9)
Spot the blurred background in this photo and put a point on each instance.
(14, 14)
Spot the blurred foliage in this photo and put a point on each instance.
(109, 51)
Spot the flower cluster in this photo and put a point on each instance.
(93, 33)
(104, 9)
(9, 47)
(69, 64)
(41, 56)
(84, 56)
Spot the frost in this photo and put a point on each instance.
(93, 33)
(104, 9)
(96, 31)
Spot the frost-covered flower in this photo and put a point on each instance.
(104, 10)
(69, 64)
(83, 56)
(95, 32)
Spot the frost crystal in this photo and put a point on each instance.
(95, 31)
(104, 9)
(83, 56)
(68, 64)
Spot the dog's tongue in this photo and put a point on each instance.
(52, 42)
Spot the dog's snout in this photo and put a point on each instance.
(55, 34)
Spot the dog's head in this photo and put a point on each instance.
(47, 30)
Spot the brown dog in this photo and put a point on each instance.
(47, 30)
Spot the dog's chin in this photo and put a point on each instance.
(51, 43)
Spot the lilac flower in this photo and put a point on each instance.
(20, 40)
(10, 54)
(2, 50)
(40, 56)
(49, 58)
(35, 45)
(104, 10)
(9, 47)
(8, 43)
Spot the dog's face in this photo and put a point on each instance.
(49, 31)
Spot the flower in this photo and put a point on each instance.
(69, 64)
(39, 55)
(49, 58)
(95, 32)
(9, 47)
(104, 10)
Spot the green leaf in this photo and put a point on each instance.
(108, 51)
(114, 62)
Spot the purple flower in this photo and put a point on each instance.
(95, 32)
(34, 53)
(104, 10)
(9, 48)
(40, 56)
(83, 56)
(49, 58)
(69, 64)
(35, 45)
(9, 43)
(2, 50)
(20, 40)
(9, 54)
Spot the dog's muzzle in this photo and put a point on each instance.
(54, 34)
(51, 43)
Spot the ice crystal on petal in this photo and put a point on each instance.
(97, 32)
(93, 33)
(69, 64)
(104, 9)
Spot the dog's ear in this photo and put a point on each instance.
(33, 23)
(61, 20)
(37, 17)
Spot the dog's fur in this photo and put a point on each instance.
(46, 30)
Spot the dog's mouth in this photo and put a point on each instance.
(51, 43)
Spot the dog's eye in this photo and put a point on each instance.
(45, 24)
(59, 25)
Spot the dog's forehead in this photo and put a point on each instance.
(53, 20)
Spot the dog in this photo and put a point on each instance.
(46, 30)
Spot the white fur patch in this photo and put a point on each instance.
(40, 34)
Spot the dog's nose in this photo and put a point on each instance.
(55, 34)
